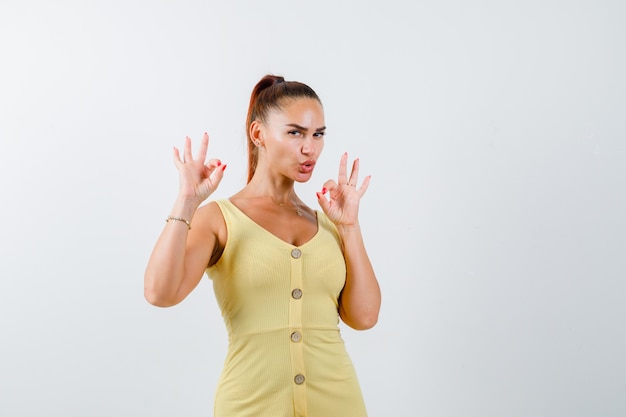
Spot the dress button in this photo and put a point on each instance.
(296, 337)
(297, 293)
(299, 379)
(296, 253)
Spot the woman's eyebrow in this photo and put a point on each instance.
(297, 126)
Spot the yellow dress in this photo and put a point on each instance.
(280, 306)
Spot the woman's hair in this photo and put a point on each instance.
(271, 93)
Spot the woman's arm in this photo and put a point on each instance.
(360, 298)
(181, 253)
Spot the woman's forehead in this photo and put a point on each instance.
(302, 109)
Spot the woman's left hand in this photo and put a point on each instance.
(342, 205)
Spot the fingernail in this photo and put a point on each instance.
(219, 163)
(318, 195)
(224, 167)
(324, 190)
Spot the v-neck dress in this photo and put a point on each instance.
(279, 302)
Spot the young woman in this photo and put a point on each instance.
(282, 273)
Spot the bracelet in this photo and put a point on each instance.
(178, 219)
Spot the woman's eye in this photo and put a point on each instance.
(293, 133)
(319, 134)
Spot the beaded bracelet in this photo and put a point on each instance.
(178, 219)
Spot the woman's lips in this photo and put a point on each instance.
(307, 166)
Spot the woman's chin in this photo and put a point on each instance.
(302, 177)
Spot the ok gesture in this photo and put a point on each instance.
(197, 179)
(342, 204)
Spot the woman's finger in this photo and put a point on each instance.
(323, 202)
(176, 157)
(329, 185)
(213, 163)
(343, 178)
(204, 145)
(187, 157)
(363, 188)
(354, 174)
(217, 171)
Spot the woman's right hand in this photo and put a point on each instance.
(198, 180)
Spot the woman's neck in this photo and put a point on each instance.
(281, 191)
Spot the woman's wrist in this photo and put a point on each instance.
(184, 208)
(346, 230)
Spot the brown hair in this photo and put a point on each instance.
(271, 93)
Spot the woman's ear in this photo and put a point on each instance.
(256, 133)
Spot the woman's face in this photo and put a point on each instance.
(293, 139)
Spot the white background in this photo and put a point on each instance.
(495, 134)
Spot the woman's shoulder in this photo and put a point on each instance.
(210, 216)
(209, 207)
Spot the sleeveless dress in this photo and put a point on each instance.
(280, 307)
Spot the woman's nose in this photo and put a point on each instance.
(307, 146)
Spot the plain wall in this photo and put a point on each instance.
(494, 132)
